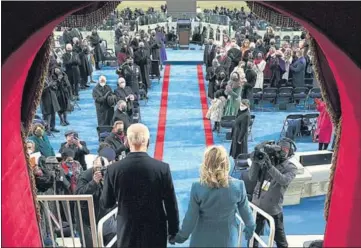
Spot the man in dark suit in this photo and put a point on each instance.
(209, 53)
(251, 77)
(79, 147)
(143, 188)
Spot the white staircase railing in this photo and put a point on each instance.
(101, 222)
(65, 201)
(256, 210)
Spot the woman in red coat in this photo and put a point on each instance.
(324, 126)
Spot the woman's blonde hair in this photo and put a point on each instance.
(215, 167)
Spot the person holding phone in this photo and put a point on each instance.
(78, 146)
(90, 182)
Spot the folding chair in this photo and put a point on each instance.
(309, 121)
(227, 123)
(309, 83)
(266, 83)
(269, 94)
(250, 127)
(240, 163)
(257, 96)
(294, 117)
(300, 94)
(312, 95)
(284, 96)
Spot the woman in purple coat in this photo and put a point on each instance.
(161, 38)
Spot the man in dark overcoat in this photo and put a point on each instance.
(101, 92)
(143, 188)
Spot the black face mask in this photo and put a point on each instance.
(119, 131)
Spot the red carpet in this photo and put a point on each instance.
(202, 92)
(159, 144)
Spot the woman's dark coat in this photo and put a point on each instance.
(240, 134)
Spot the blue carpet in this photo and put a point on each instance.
(185, 139)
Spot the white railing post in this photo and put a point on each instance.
(256, 210)
(100, 226)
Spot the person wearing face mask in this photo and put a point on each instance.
(155, 46)
(132, 75)
(118, 139)
(259, 48)
(273, 176)
(121, 115)
(71, 62)
(101, 92)
(239, 132)
(211, 77)
(95, 42)
(224, 61)
(235, 55)
(209, 53)
(90, 182)
(78, 146)
(259, 66)
(85, 68)
(251, 77)
(149, 181)
(141, 58)
(49, 103)
(41, 141)
(233, 91)
(63, 95)
(123, 92)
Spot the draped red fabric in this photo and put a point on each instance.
(20, 227)
(342, 228)
(19, 223)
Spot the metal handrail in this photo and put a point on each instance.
(45, 199)
(256, 210)
(101, 222)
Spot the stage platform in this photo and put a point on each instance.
(191, 56)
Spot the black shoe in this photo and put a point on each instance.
(66, 123)
(93, 82)
(54, 130)
(82, 87)
(77, 98)
(62, 123)
(214, 127)
(87, 85)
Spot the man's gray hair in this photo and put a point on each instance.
(138, 134)
(121, 104)
(102, 78)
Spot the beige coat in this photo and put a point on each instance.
(215, 111)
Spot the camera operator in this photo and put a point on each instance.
(91, 182)
(273, 172)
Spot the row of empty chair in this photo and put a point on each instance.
(286, 95)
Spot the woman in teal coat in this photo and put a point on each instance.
(214, 202)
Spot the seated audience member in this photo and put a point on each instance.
(239, 131)
(100, 95)
(79, 147)
(41, 141)
(142, 187)
(44, 179)
(91, 183)
(215, 191)
(121, 115)
(117, 139)
(215, 111)
(123, 92)
(233, 92)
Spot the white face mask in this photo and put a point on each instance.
(102, 84)
(122, 85)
